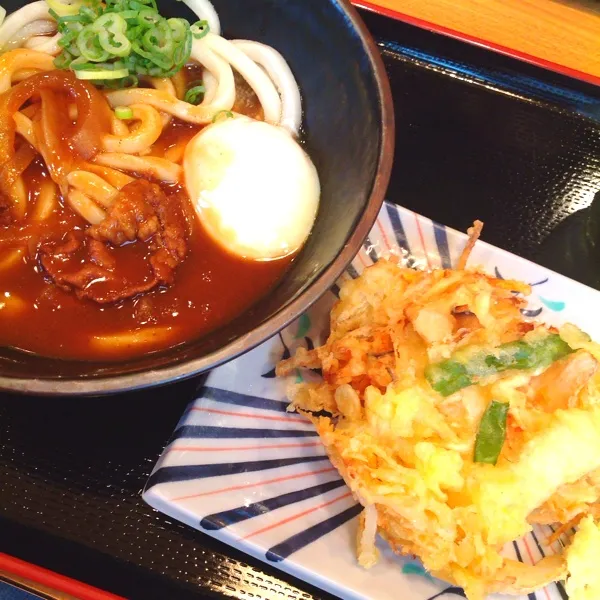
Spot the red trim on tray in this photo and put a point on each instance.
(54, 581)
(465, 37)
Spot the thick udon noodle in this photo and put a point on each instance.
(105, 152)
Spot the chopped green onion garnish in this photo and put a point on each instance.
(228, 115)
(88, 15)
(88, 46)
(131, 33)
(102, 74)
(199, 29)
(70, 19)
(64, 7)
(123, 112)
(116, 84)
(148, 18)
(178, 29)
(193, 94)
(63, 60)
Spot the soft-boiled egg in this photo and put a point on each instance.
(254, 188)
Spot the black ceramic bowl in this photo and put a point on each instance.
(348, 129)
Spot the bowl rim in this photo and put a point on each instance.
(160, 376)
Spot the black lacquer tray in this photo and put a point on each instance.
(478, 136)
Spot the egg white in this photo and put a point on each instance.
(254, 188)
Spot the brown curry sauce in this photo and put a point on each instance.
(211, 288)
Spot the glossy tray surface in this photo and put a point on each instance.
(478, 136)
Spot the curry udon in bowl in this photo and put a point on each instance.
(159, 198)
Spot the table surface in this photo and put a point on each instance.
(565, 33)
